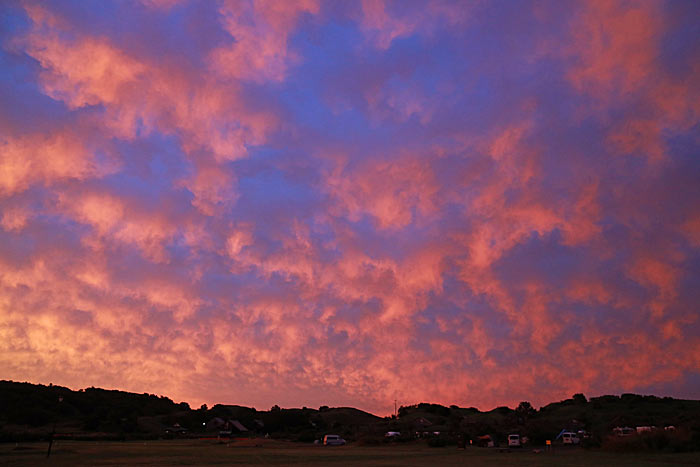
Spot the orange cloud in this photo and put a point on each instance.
(176, 211)
(618, 52)
(393, 193)
(141, 96)
(114, 219)
(260, 29)
(616, 45)
(44, 158)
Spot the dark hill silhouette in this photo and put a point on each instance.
(32, 411)
(92, 409)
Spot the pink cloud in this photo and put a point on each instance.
(618, 58)
(391, 192)
(117, 219)
(385, 20)
(261, 30)
(45, 158)
(285, 220)
(616, 45)
(140, 96)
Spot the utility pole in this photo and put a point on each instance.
(53, 432)
(396, 414)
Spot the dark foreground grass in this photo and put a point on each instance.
(274, 453)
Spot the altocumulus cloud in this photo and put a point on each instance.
(308, 202)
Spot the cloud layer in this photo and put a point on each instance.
(344, 203)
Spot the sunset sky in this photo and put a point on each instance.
(350, 202)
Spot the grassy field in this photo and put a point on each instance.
(275, 453)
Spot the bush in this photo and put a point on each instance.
(307, 436)
(660, 440)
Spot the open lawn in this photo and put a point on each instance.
(276, 453)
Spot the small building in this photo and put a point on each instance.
(238, 426)
(176, 430)
(226, 427)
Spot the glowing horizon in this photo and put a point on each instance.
(345, 203)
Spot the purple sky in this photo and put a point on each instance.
(347, 203)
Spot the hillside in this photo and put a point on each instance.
(30, 411)
(597, 416)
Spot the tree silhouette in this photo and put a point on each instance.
(525, 410)
(579, 399)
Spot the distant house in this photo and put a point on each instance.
(176, 429)
(422, 423)
(215, 423)
(238, 426)
(420, 426)
(226, 427)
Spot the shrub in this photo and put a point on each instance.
(307, 436)
(660, 440)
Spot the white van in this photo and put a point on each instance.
(570, 438)
(514, 441)
(333, 440)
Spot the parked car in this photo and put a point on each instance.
(570, 438)
(624, 431)
(514, 441)
(333, 440)
(485, 441)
